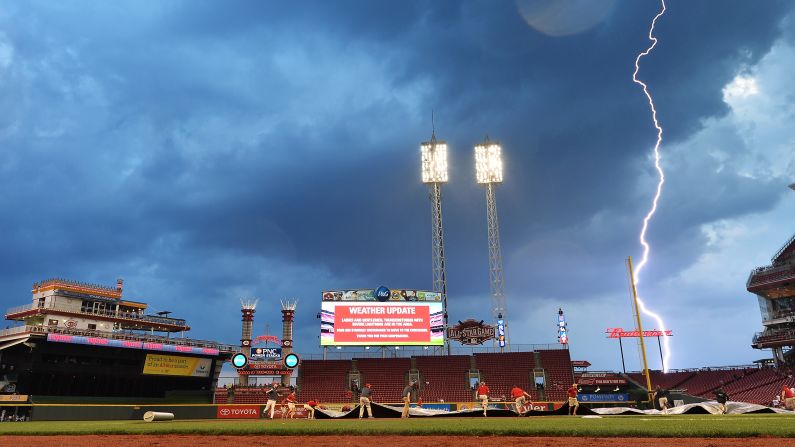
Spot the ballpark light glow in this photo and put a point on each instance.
(434, 162)
(488, 163)
(646, 248)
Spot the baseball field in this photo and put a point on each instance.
(552, 430)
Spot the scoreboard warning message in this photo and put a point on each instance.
(387, 323)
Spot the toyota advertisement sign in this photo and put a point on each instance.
(238, 412)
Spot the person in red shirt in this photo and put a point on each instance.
(483, 395)
(787, 397)
(573, 402)
(520, 397)
(309, 406)
(291, 405)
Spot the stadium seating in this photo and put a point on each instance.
(443, 378)
(387, 377)
(446, 378)
(557, 363)
(501, 371)
(705, 382)
(670, 380)
(764, 393)
(324, 380)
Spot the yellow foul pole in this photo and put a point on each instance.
(640, 327)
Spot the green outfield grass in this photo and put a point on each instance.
(633, 426)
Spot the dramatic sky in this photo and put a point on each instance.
(206, 151)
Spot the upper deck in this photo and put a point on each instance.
(75, 305)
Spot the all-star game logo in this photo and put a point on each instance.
(471, 332)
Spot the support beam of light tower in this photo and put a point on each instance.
(434, 174)
(488, 172)
(658, 167)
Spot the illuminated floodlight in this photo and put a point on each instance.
(434, 161)
(488, 163)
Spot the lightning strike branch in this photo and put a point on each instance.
(643, 242)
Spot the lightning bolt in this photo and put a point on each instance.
(646, 248)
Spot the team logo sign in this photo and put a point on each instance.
(471, 332)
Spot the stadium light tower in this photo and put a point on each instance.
(488, 172)
(434, 174)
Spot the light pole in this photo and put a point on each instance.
(434, 174)
(488, 172)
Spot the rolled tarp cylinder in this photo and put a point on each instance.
(151, 416)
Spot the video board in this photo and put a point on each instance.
(382, 317)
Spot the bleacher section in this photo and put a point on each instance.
(446, 378)
(242, 396)
(671, 380)
(560, 376)
(753, 385)
(769, 383)
(387, 377)
(323, 380)
(501, 371)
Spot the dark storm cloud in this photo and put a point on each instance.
(266, 149)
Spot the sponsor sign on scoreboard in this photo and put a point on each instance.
(265, 353)
(264, 372)
(172, 365)
(382, 294)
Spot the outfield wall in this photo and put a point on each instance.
(88, 412)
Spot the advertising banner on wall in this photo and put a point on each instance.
(607, 397)
(129, 344)
(237, 412)
(382, 323)
(382, 294)
(172, 365)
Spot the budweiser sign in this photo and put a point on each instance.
(471, 332)
(617, 332)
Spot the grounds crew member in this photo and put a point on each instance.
(520, 397)
(407, 399)
(573, 402)
(364, 401)
(230, 394)
(661, 396)
(291, 400)
(788, 397)
(722, 398)
(310, 407)
(273, 396)
(483, 395)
